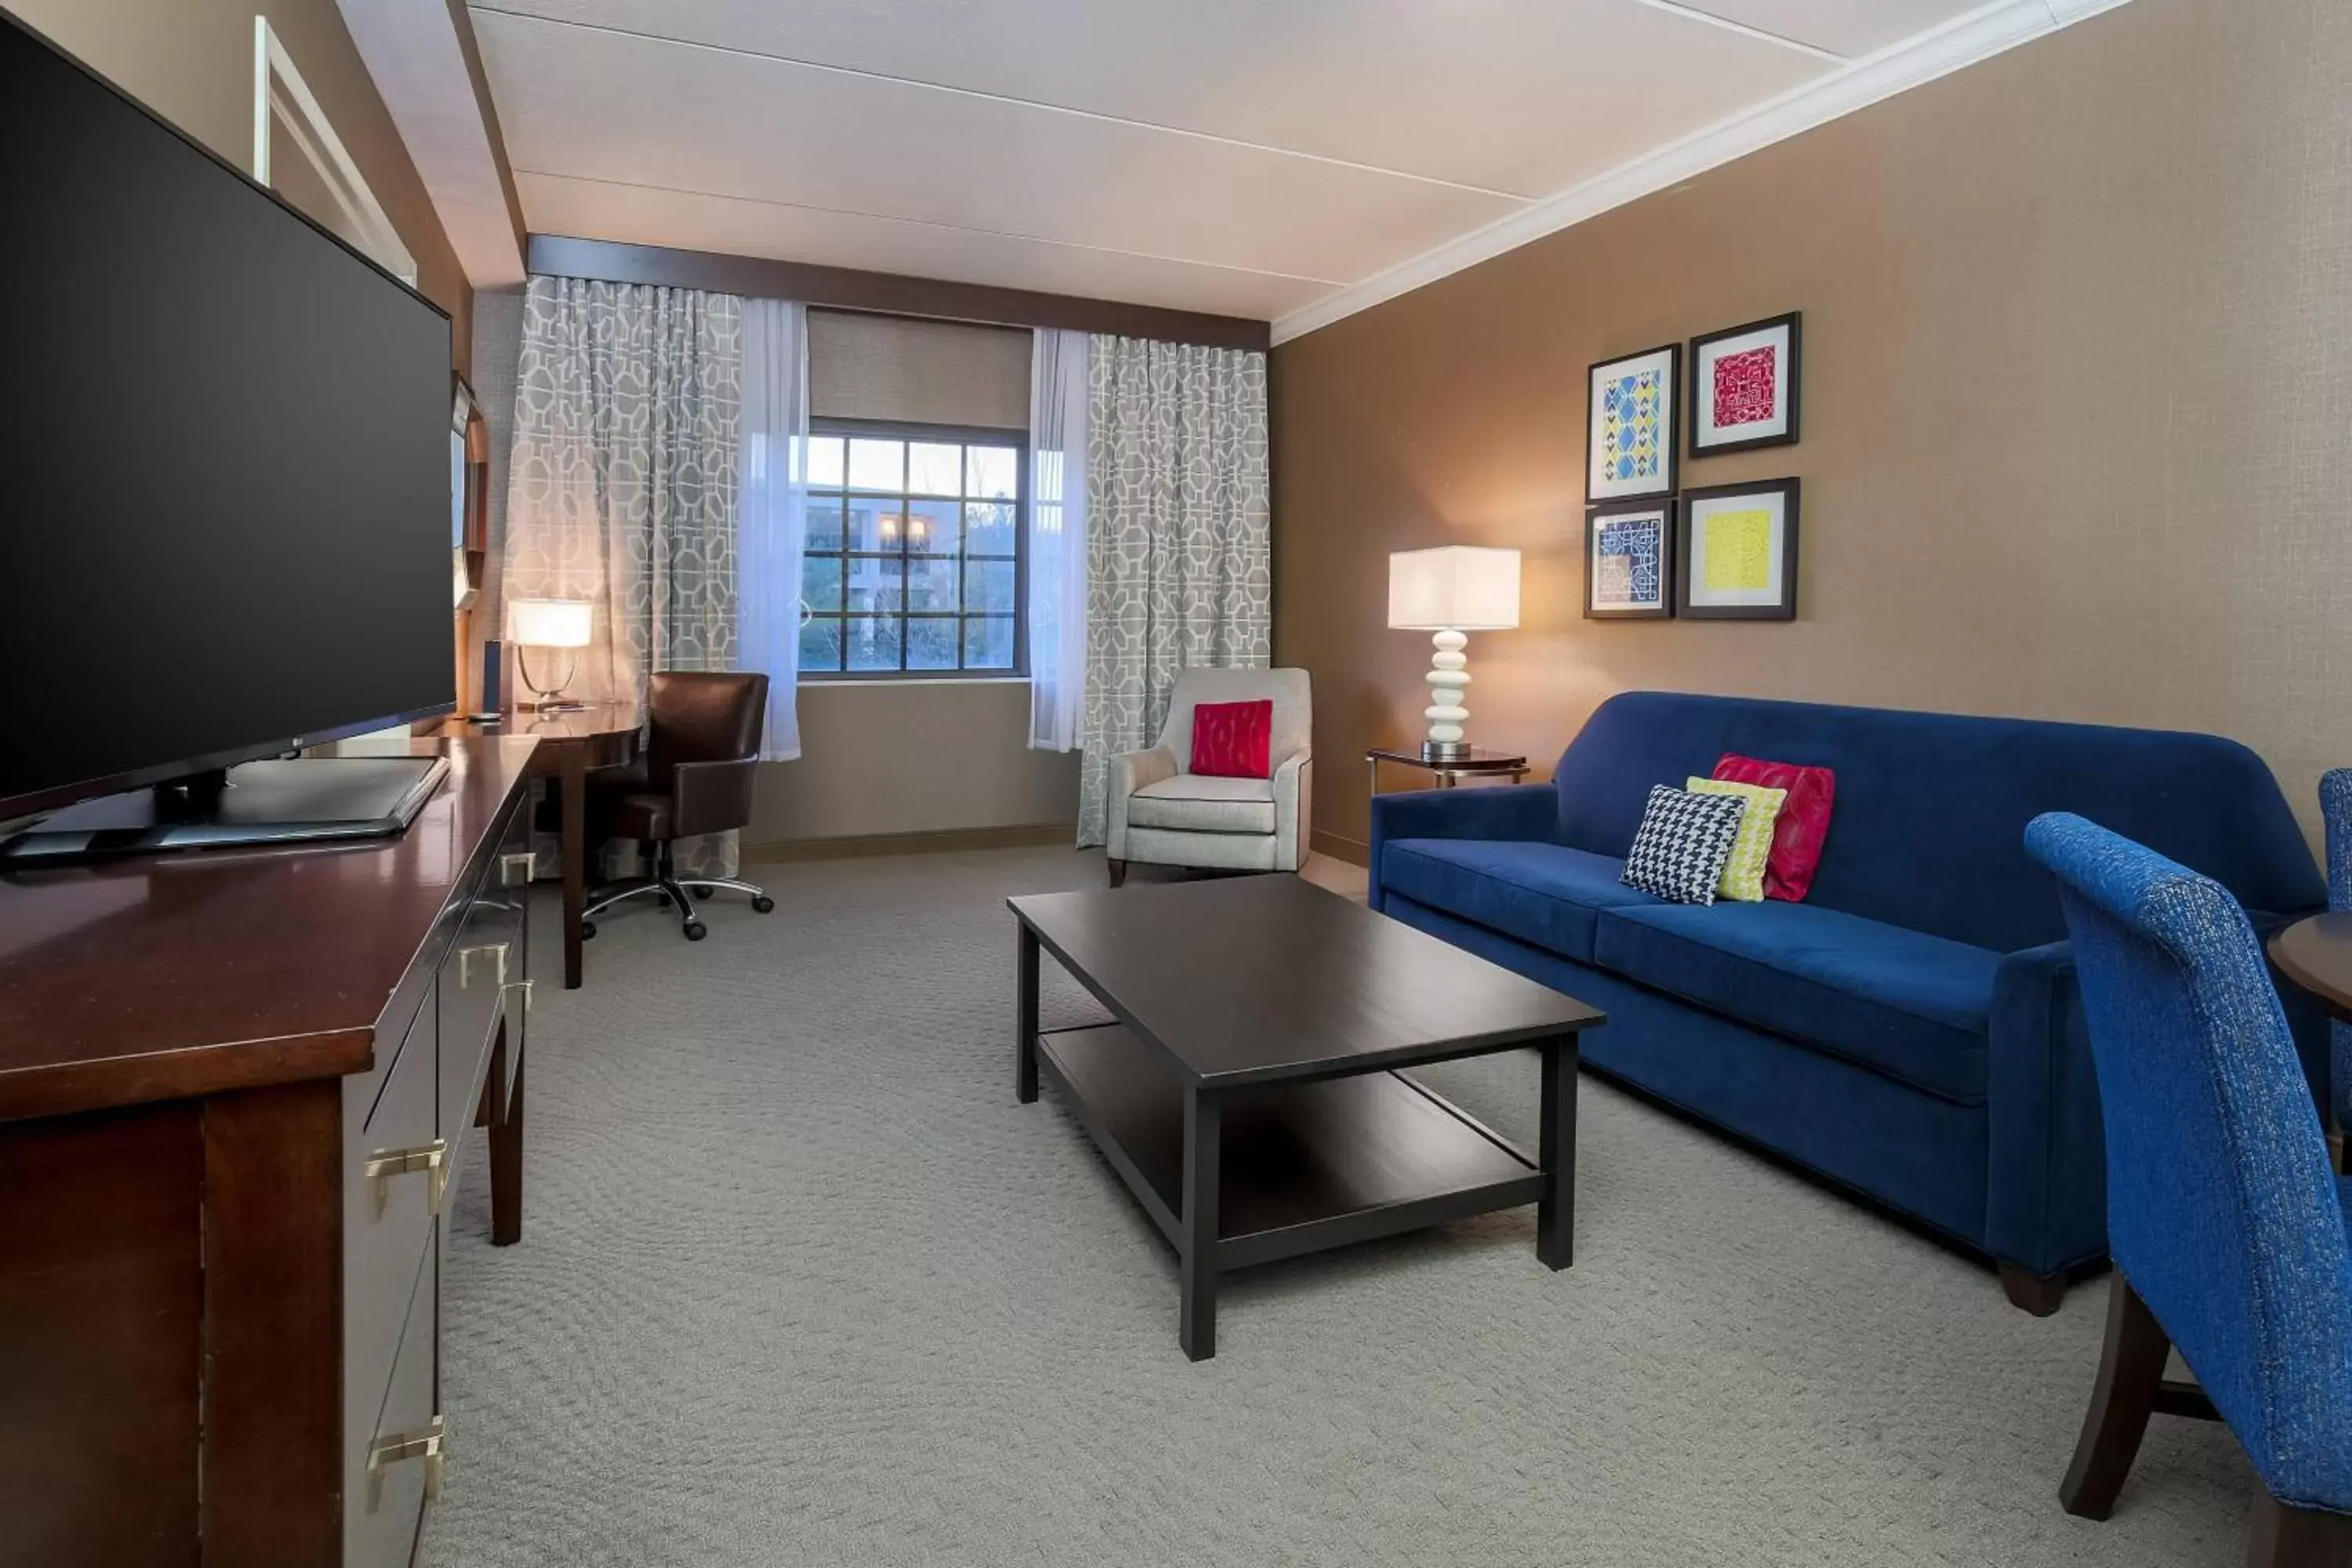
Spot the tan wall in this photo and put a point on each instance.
(191, 62)
(892, 757)
(2077, 424)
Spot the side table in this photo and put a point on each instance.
(1479, 764)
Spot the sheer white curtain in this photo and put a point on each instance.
(1057, 538)
(773, 514)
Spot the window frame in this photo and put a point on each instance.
(964, 435)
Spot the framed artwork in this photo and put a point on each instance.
(1737, 551)
(1629, 446)
(1743, 386)
(1629, 561)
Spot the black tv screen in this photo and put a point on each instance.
(224, 500)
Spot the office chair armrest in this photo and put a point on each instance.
(711, 797)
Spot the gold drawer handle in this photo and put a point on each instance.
(527, 988)
(424, 1443)
(465, 956)
(431, 1158)
(516, 870)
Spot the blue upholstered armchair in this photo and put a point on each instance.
(2335, 809)
(2226, 1226)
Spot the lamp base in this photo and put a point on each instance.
(1446, 751)
(555, 705)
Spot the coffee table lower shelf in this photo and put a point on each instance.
(1304, 1166)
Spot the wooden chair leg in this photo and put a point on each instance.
(1118, 873)
(2131, 1373)
(2038, 1294)
(2288, 1537)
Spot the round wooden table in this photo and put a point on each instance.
(2316, 954)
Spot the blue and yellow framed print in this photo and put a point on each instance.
(1630, 445)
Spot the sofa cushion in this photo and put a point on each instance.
(1911, 1005)
(1543, 894)
(1196, 802)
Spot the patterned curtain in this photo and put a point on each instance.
(621, 488)
(1177, 540)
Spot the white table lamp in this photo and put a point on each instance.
(1451, 590)
(565, 624)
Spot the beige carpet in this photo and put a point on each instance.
(800, 1284)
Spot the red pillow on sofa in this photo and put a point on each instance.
(1233, 740)
(1803, 823)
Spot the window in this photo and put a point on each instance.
(914, 552)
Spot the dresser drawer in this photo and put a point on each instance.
(395, 1171)
(396, 1470)
(483, 981)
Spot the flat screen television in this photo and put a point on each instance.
(223, 530)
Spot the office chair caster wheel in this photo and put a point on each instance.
(765, 904)
(696, 930)
(587, 931)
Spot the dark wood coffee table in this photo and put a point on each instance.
(1248, 1093)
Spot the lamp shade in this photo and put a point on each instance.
(1457, 587)
(549, 623)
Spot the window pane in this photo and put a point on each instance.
(990, 530)
(931, 644)
(820, 582)
(934, 468)
(824, 461)
(823, 523)
(875, 525)
(988, 642)
(821, 646)
(876, 465)
(991, 472)
(932, 586)
(988, 585)
(876, 585)
(873, 642)
(931, 528)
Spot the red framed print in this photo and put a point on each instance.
(1745, 391)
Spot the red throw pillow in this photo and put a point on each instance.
(1232, 740)
(1803, 823)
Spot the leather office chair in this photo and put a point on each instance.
(695, 778)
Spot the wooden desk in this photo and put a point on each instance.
(601, 735)
(234, 1087)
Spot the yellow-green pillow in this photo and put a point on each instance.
(1743, 874)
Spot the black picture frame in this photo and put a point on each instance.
(1671, 412)
(1794, 321)
(1688, 557)
(1665, 510)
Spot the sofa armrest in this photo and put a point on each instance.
(2046, 1174)
(1129, 772)
(1294, 803)
(1502, 812)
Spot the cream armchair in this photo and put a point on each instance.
(1163, 813)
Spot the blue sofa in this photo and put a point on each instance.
(1911, 1031)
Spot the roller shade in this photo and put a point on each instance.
(919, 372)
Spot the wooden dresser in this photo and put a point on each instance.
(234, 1090)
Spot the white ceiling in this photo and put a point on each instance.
(1262, 158)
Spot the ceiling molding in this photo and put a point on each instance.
(1979, 35)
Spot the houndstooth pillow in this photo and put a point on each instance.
(1682, 846)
